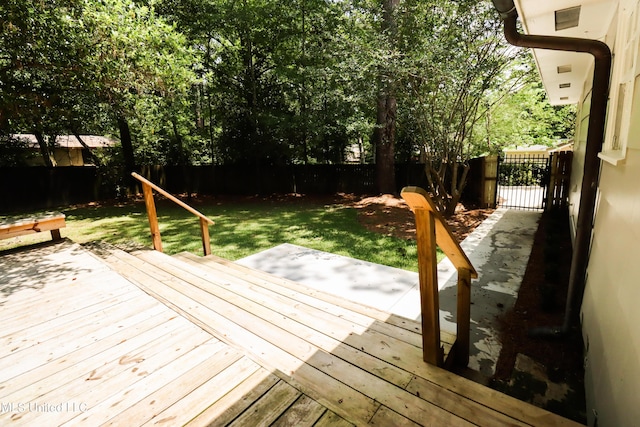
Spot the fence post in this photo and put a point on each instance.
(559, 176)
(153, 217)
(490, 181)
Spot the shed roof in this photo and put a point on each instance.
(70, 141)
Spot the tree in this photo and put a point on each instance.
(464, 59)
(384, 137)
(138, 55)
(64, 62)
(525, 117)
(42, 59)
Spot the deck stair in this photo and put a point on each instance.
(362, 364)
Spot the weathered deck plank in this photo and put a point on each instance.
(402, 328)
(210, 312)
(97, 349)
(139, 402)
(237, 349)
(227, 383)
(347, 355)
(499, 405)
(230, 402)
(248, 307)
(158, 331)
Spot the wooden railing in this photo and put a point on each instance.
(432, 230)
(147, 189)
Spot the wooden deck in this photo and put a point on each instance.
(118, 339)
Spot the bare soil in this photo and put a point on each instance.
(391, 216)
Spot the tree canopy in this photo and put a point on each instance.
(265, 82)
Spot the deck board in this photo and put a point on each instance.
(153, 340)
(256, 336)
(408, 330)
(233, 380)
(269, 322)
(92, 348)
(159, 331)
(233, 401)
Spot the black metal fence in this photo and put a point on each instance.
(523, 181)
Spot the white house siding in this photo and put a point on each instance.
(611, 304)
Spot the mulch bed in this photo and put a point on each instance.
(541, 304)
(391, 216)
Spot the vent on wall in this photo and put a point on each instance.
(567, 18)
(564, 69)
(564, 85)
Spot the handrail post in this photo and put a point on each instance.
(432, 231)
(147, 188)
(463, 321)
(428, 275)
(206, 241)
(153, 216)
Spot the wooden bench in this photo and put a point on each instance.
(49, 221)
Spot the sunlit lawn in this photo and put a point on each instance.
(242, 227)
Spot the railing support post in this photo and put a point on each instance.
(206, 241)
(147, 189)
(153, 216)
(432, 231)
(428, 274)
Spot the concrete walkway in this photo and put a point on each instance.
(499, 250)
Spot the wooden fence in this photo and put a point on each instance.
(24, 188)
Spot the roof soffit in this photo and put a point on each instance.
(595, 22)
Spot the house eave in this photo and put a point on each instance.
(595, 19)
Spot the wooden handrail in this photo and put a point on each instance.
(432, 231)
(147, 187)
(418, 198)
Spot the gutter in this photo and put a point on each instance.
(595, 138)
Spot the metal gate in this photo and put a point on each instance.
(534, 182)
(523, 181)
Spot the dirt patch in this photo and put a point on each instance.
(391, 216)
(541, 306)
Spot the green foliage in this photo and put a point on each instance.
(523, 173)
(72, 66)
(269, 92)
(525, 117)
(265, 82)
(13, 152)
(454, 63)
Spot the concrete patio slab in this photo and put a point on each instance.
(499, 250)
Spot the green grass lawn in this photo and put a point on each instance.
(242, 227)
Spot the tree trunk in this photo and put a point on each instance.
(386, 106)
(127, 151)
(384, 139)
(47, 156)
(92, 156)
(180, 147)
(457, 189)
(127, 145)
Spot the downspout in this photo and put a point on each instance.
(595, 138)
